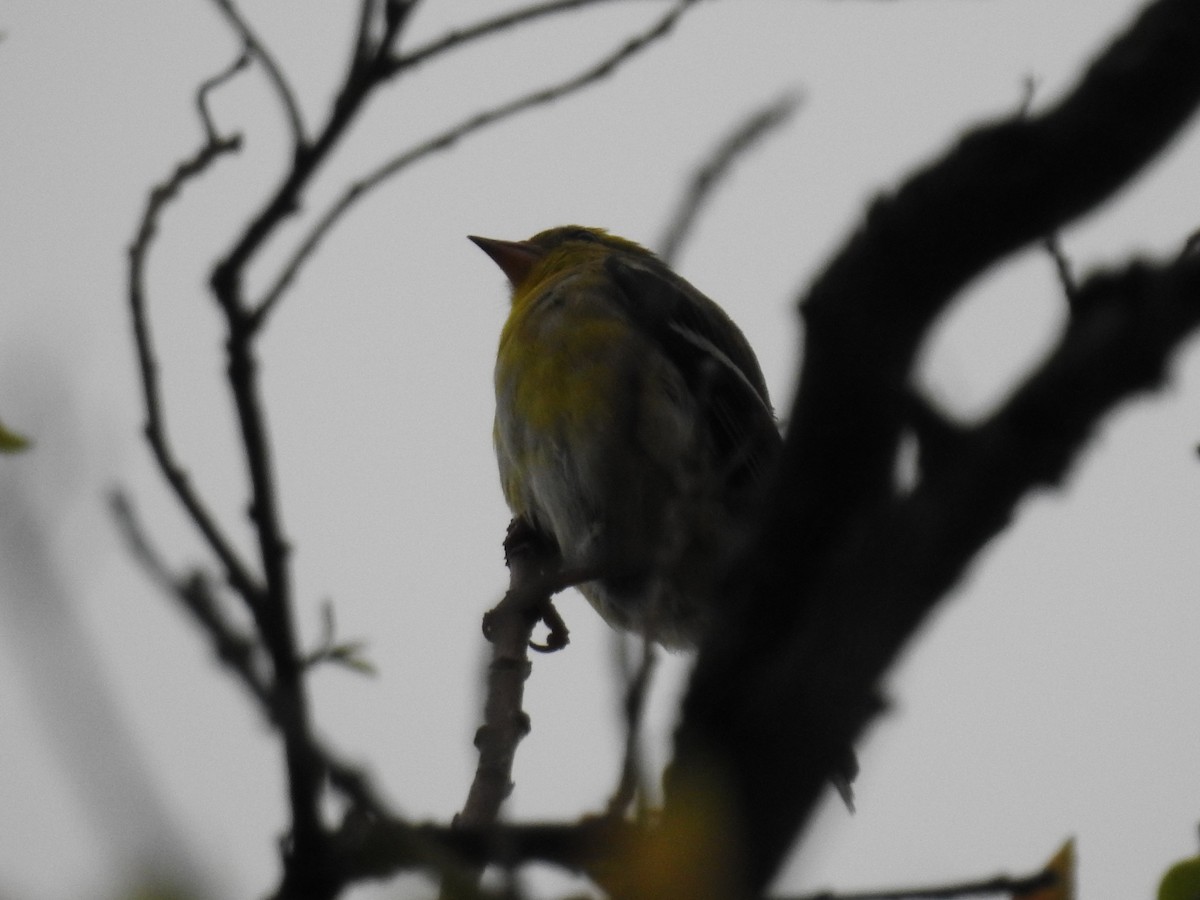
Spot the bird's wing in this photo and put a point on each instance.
(714, 357)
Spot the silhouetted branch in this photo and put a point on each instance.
(160, 197)
(531, 562)
(362, 78)
(367, 12)
(447, 138)
(845, 571)
(1062, 266)
(1001, 884)
(207, 87)
(279, 81)
(389, 846)
(236, 649)
(594, 847)
(461, 37)
(747, 135)
(306, 866)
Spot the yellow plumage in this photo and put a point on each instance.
(632, 424)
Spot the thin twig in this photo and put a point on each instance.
(283, 88)
(447, 138)
(834, 533)
(1001, 884)
(161, 195)
(359, 83)
(1062, 266)
(1029, 86)
(362, 35)
(388, 847)
(749, 132)
(207, 87)
(395, 14)
(462, 36)
(236, 649)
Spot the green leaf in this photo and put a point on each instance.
(347, 654)
(1182, 881)
(10, 441)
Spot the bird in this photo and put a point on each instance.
(633, 428)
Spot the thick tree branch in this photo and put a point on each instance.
(845, 572)
(595, 847)
(1001, 188)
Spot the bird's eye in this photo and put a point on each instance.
(582, 234)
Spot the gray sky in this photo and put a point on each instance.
(1053, 695)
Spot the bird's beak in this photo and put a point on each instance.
(515, 258)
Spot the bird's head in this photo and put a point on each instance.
(547, 253)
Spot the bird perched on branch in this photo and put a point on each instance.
(633, 427)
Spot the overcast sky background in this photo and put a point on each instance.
(1055, 693)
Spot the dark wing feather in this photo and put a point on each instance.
(714, 357)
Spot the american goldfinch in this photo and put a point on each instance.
(633, 427)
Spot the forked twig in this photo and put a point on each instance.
(462, 36)
(450, 136)
(161, 196)
(283, 88)
(207, 87)
(362, 34)
(237, 649)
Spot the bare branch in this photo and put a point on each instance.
(395, 15)
(1062, 266)
(704, 181)
(844, 571)
(1001, 884)
(306, 870)
(531, 561)
(160, 197)
(367, 11)
(305, 858)
(237, 650)
(241, 653)
(486, 28)
(377, 849)
(207, 87)
(362, 78)
(447, 138)
(283, 88)
(592, 846)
